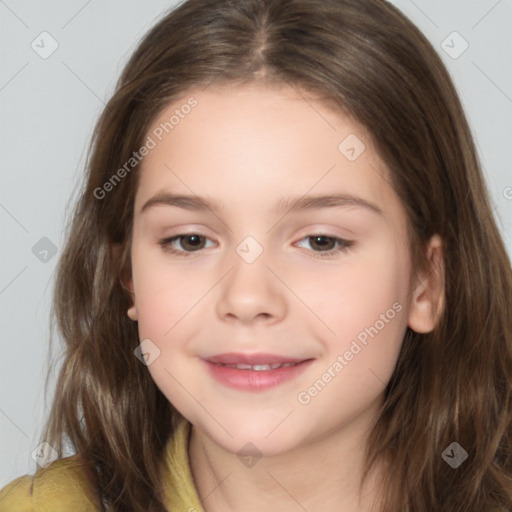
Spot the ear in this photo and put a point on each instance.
(126, 281)
(427, 301)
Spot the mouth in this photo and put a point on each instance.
(258, 367)
(254, 372)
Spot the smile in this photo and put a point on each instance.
(254, 372)
(258, 367)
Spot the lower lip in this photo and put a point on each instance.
(253, 380)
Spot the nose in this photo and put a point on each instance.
(250, 293)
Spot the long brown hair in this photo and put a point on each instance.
(451, 385)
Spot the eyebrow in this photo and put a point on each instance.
(288, 204)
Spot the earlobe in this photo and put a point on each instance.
(132, 313)
(128, 285)
(126, 281)
(427, 300)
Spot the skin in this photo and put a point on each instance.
(248, 147)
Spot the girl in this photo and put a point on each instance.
(283, 286)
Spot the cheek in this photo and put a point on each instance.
(355, 296)
(161, 297)
(164, 298)
(154, 302)
(365, 309)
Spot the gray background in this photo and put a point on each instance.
(48, 109)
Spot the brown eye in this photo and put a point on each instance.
(184, 244)
(323, 246)
(192, 242)
(322, 243)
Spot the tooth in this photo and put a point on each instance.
(243, 366)
(257, 367)
(261, 367)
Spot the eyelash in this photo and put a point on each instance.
(343, 245)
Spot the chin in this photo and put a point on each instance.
(266, 437)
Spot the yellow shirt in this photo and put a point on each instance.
(63, 486)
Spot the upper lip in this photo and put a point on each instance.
(252, 359)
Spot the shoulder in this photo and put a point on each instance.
(17, 495)
(61, 487)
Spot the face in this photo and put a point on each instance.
(263, 269)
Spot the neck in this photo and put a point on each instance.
(322, 474)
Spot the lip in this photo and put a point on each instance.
(259, 358)
(254, 380)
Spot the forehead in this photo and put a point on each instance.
(248, 144)
(265, 111)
